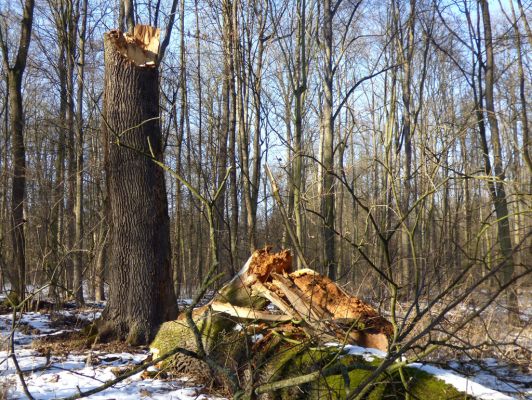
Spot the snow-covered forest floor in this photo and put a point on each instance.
(55, 369)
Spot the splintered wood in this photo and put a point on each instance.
(141, 48)
(264, 263)
(319, 307)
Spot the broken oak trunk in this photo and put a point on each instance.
(141, 295)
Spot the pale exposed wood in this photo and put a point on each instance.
(249, 313)
(141, 48)
(318, 307)
(311, 312)
(260, 290)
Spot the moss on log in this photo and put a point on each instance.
(221, 342)
(346, 373)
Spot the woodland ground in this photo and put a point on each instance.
(57, 362)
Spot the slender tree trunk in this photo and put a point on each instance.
(71, 175)
(78, 208)
(101, 259)
(234, 54)
(525, 22)
(199, 170)
(179, 261)
(16, 114)
(224, 131)
(497, 188)
(328, 196)
(522, 95)
(406, 55)
(5, 212)
(18, 186)
(299, 95)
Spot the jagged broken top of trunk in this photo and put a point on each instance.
(141, 47)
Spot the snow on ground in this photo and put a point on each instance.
(463, 384)
(60, 376)
(496, 375)
(65, 377)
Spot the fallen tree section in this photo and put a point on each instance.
(266, 330)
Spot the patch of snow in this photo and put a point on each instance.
(357, 350)
(36, 320)
(257, 337)
(57, 376)
(367, 353)
(462, 383)
(67, 376)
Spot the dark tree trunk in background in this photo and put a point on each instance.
(18, 186)
(142, 294)
(16, 114)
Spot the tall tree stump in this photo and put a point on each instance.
(141, 295)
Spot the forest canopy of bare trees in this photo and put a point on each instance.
(147, 149)
(397, 133)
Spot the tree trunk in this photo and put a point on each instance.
(142, 295)
(522, 95)
(271, 357)
(497, 188)
(225, 126)
(299, 94)
(328, 146)
(14, 89)
(406, 55)
(78, 208)
(18, 182)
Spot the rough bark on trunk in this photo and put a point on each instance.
(142, 295)
(18, 182)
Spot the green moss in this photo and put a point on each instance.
(177, 333)
(12, 299)
(299, 360)
(238, 296)
(421, 385)
(281, 357)
(426, 386)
